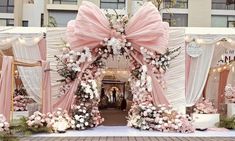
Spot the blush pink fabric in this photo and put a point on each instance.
(46, 78)
(42, 49)
(91, 26)
(6, 87)
(65, 101)
(222, 83)
(46, 88)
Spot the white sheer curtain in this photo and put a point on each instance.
(199, 69)
(175, 77)
(27, 50)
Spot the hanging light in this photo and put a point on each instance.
(187, 38)
(229, 40)
(199, 41)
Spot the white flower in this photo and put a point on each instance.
(86, 123)
(81, 120)
(76, 117)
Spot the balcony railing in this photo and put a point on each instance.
(223, 5)
(183, 4)
(6, 9)
(64, 1)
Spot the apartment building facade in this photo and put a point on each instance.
(183, 13)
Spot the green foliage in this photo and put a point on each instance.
(21, 127)
(52, 22)
(227, 122)
(8, 137)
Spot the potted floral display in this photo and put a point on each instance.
(230, 96)
(205, 115)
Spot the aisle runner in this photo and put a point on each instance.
(118, 131)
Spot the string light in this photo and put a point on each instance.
(202, 41)
(187, 38)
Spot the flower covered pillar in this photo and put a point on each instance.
(6, 90)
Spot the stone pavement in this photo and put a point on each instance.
(127, 139)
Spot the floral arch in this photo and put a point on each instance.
(143, 39)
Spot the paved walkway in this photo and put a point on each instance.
(114, 117)
(127, 139)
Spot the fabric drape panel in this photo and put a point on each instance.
(212, 86)
(157, 90)
(231, 76)
(30, 76)
(6, 87)
(46, 88)
(199, 70)
(67, 100)
(54, 45)
(175, 76)
(42, 49)
(222, 83)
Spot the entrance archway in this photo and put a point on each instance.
(94, 40)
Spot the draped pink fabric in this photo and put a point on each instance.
(66, 100)
(157, 89)
(46, 79)
(42, 49)
(46, 88)
(6, 87)
(145, 29)
(222, 84)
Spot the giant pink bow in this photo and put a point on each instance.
(145, 28)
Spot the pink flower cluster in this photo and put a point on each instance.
(86, 116)
(37, 120)
(230, 93)
(4, 125)
(20, 103)
(204, 106)
(57, 116)
(160, 118)
(51, 120)
(20, 99)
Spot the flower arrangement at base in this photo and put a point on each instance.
(37, 123)
(230, 93)
(59, 120)
(160, 118)
(204, 106)
(82, 117)
(4, 125)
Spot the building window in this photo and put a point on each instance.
(6, 6)
(25, 23)
(222, 21)
(60, 18)
(64, 1)
(6, 22)
(183, 4)
(223, 4)
(176, 20)
(112, 4)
